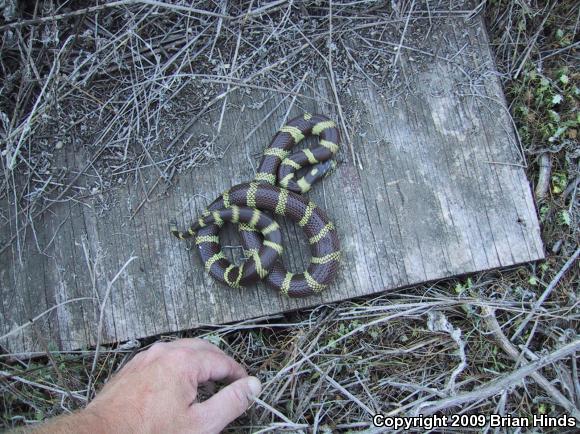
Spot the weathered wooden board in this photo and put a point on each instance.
(437, 192)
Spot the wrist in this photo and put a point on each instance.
(101, 417)
(83, 421)
(90, 420)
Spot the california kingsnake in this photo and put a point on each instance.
(275, 189)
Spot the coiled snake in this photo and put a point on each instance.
(277, 189)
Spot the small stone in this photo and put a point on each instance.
(557, 246)
(59, 145)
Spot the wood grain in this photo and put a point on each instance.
(438, 192)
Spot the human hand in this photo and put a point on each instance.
(156, 391)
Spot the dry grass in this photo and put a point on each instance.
(118, 82)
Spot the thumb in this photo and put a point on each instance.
(228, 404)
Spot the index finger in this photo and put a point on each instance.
(213, 366)
(194, 343)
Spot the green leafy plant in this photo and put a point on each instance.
(547, 106)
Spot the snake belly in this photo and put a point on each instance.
(276, 189)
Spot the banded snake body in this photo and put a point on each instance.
(275, 189)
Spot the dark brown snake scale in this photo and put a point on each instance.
(275, 190)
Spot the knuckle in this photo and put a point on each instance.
(155, 352)
(183, 352)
(136, 360)
(180, 355)
(197, 418)
(137, 357)
(240, 397)
(201, 418)
(157, 348)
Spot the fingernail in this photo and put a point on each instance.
(255, 386)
